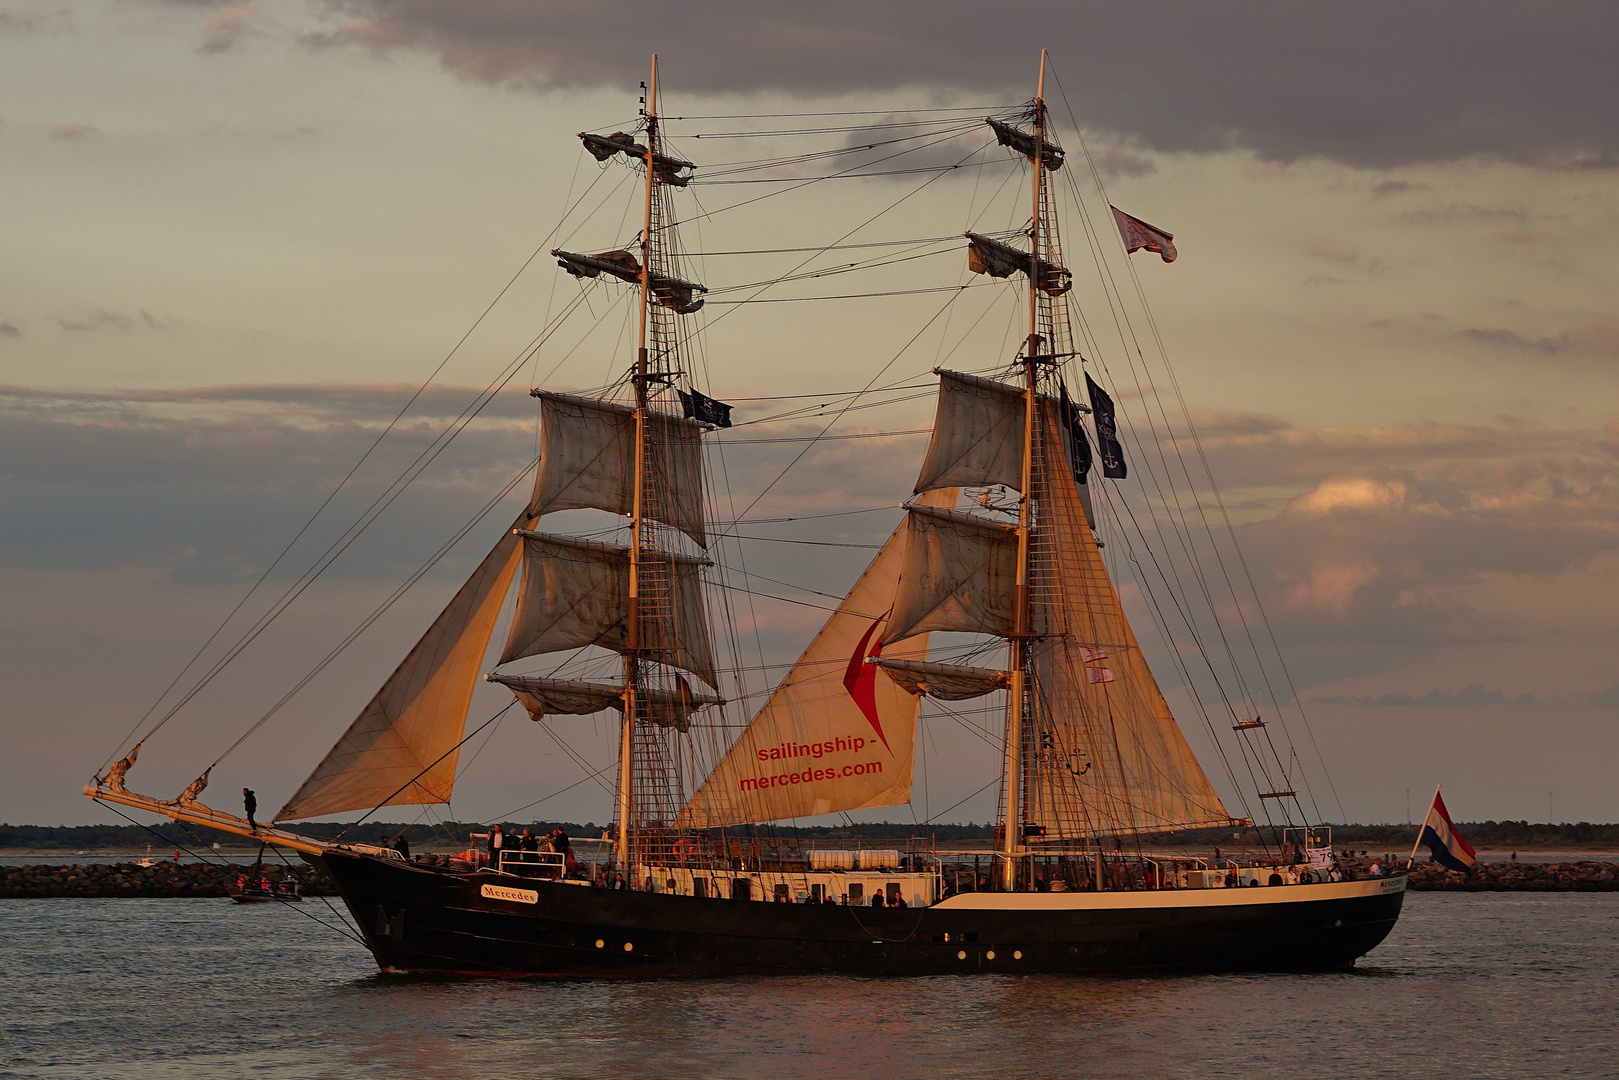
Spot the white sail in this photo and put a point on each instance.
(577, 592)
(587, 460)
(977, 435)
(947, 682)
(833, 736)
(959, 572)
(402, 748)
(1108, 756)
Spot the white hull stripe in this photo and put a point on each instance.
(1170, 899)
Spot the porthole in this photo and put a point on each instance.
(990, 955)
(629, 946)
(1017, 954)
(600, 943)
(962, 955)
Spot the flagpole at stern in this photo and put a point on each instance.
(1418, 842)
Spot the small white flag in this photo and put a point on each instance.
(1138, 235)
(1099, 674)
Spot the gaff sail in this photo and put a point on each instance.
(1108, 756)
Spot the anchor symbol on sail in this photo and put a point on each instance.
(860, 680)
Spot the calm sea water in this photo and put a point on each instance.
(1469, 985)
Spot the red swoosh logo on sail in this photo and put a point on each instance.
(860, 680)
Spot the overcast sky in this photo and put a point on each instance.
(238, 235)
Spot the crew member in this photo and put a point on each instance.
(250, 802)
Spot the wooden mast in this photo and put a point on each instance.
(1017, 648)
(632, 664)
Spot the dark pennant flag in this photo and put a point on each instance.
(704, 409)
(1107, 431)
(1079, 448)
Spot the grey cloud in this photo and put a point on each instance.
(9, 329)
(1360, 585)
(1596, 340)
(1394, 187)
(101, 320)
(1606, 699)
(1375, 84)
(359, 403)
(1467, 695)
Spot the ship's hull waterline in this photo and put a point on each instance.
(423, 920)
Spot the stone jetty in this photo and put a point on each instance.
(1582, 876)
(161, 879)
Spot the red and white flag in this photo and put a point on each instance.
(1138, 234)
(1098, 674)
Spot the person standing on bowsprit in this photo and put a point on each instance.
(250, 802)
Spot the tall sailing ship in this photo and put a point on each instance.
(997, 542)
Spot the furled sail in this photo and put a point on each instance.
(587, 459)
(673, 293)
(833, 736)
(667, 169)
(575, 697)
(577, 592)
(402, 748)
(1023, 143)
(947, 682)
(1108, 756)
(958, 572)
(977, 435)
(992, 257)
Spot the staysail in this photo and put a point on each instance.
(834, 735)
(402, 749)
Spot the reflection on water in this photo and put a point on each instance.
(1512, 985)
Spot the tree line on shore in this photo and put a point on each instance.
(1493, 834)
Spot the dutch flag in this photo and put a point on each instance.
(1440, 836)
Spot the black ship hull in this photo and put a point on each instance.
(426, 920)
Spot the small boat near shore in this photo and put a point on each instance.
(262, 890)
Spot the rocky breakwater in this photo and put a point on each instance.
(161, 879)
(1519, 877)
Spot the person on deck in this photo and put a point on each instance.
(496, 843)
(250, 803)
(877, 899)
(560, 844)
(402, 846)
(1275, 878)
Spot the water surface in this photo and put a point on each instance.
(1468, 985)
